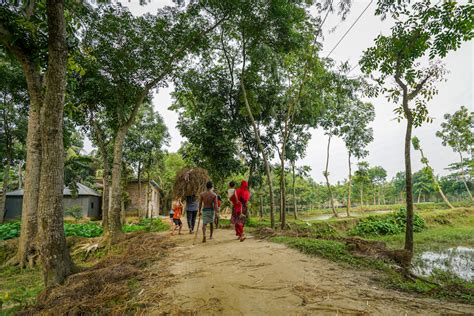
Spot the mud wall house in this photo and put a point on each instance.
(143, 198)
(87, 200)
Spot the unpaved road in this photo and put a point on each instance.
(255, 277)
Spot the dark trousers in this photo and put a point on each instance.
(191, 217)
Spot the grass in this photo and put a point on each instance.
(329, 249)
(18, 288)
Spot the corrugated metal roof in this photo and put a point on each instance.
(82, 190)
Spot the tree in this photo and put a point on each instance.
(143, 146)
(377, 176)
(456, 132)
(423, 182)
(424, 160)
(337, 100)
(424, 30)
(362, 178)
(36, 35)
(127, 57)
(357, 135)
(13, 121)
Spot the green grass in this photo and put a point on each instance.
(88, 229)
(329, 249)
(18, 288)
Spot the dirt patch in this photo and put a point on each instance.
(257, 277)
(110, 286)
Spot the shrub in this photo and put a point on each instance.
(9, 230)
(74, 211)
(147, 225)
(88, 230)
(388, 225)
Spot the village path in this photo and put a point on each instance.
(257, 277)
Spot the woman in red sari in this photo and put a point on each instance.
(239, 200)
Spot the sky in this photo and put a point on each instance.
(387, 148)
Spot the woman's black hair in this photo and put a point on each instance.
(232, 184)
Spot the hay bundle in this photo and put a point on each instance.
(190, 181)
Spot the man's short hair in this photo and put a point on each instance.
(232, 184)
(209, 185)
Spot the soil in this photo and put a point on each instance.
(258, 277)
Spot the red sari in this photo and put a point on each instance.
(239, 201)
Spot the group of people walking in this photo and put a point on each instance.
(208, 206)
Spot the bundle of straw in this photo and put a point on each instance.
(190, 181)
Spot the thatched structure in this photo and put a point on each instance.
(190, 181)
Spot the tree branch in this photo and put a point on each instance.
(418, 87)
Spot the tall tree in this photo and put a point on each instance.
(128, 57)
(425, 30)
(456, 132)
(13, 121)
(416, 144)
(143, 148)
(356, 135)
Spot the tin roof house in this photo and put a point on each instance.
(87, 200)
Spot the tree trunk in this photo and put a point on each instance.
(6, 177)
(282, 188)
(295, 211)
(463, 176)
(115, 211)
(262, 151)
(349, 188)
(27, 247)
(261, 206)
(20, 175)
(408, 181)
(105, 195)
(326, 175)
(57, 263)
(140, 202)
(361, 195)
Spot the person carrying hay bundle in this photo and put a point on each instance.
(208, 208)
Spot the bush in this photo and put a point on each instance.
(74, 211)
(146, 225)
(389, 225)
(88, 230)
(9, 230)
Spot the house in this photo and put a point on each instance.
(87, 200)
(143, 198)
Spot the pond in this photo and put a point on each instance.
(323, 217)
(458, 261)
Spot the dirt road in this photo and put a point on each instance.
(255, 277)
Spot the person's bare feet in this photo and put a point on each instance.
(204, 239)
(242, 238)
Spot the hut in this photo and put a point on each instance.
(143, 198)
(87, 200)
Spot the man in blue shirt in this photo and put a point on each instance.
(192, 206)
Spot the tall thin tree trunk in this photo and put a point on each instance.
(326, 175)
(262, 151)
(140, 201)
(463, 176)
(409, 180)
(361, 196)
(20, 175)
(57, 263)
(282, 188)
(295, 211)
(261, 206)
(3, 199)
(115, 211)
(349, 187)
(105, 195)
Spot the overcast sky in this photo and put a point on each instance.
(387, 148)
